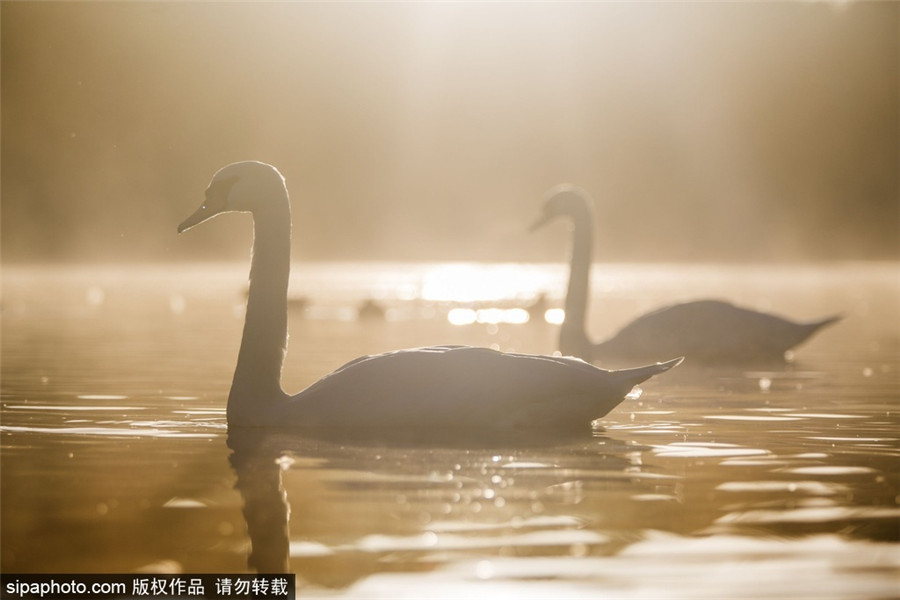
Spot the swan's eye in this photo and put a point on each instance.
(214, 202)
(217, 193)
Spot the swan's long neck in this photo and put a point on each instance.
(573, 336)
(257, 377)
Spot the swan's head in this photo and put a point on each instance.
(238, 187)
(564, 200)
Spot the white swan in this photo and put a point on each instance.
(447, 387)
(704, 331)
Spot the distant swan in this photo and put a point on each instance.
(449, 388)
(704, 331)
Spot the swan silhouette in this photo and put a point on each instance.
(703, 331)
(448, 388)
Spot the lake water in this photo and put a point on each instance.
(747, 483)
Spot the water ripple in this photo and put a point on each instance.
(810, 515)
(109, 431)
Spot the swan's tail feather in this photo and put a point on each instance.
(808, 329)
(639, 374)
(816, 325)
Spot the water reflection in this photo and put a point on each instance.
(266, 509)
(765, 482)
(361, 508)
(601, 514)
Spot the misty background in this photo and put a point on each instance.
(704, 132)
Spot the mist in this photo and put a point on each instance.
(704, 132)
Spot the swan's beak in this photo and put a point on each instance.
(201, 214)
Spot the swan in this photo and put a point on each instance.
(703, 331)
(454, 388)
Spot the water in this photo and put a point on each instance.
(714, 483)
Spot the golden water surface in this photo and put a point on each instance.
(738, 482)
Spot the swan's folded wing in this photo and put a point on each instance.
(466, 387)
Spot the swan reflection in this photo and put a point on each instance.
(361, 509)
(266, 509)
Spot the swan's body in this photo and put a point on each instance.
(708, 331)
(451, 388)
(704, 331)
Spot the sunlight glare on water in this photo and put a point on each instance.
(711, 483)
(471, 282)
